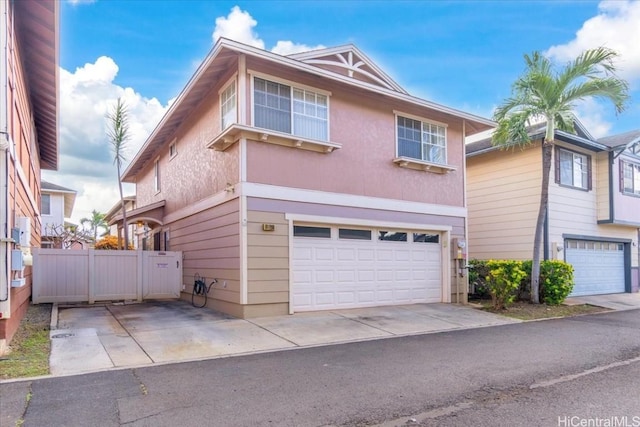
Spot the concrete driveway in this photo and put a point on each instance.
(100, 337)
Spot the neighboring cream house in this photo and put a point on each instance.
(593, 217)
(56, 204)
(28, 143)
(306, 182)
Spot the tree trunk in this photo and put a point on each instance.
(124, 212)
(547, 151)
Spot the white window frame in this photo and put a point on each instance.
(423, 122)
(292, 86)
(224, 103)
(156, 175)
(635, 178)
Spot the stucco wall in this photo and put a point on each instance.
(196, 172)
(365, 126)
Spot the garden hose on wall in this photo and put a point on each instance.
(201, 289)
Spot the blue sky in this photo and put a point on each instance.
(461, 54)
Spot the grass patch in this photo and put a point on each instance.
(28, 354)
(526, 311)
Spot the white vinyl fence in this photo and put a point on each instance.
(63, 275)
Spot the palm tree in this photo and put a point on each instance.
(96, 222)
(545, 93)
(118, 133)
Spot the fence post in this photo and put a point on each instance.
(140, 275)
(36, 283)
(91, 275)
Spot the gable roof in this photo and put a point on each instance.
(348, 60)
(68, 194)
(224, 55)
(626, 139)
(37, 24)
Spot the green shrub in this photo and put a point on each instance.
(503, 281)
(556, 281)
(478, 272)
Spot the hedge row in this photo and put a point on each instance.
(508, 280)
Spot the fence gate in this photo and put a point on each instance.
(162, 271)
(62, 275)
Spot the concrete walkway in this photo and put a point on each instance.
(612, 301)
(101, 337)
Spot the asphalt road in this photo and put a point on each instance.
(527, 374)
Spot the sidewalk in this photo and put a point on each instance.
(102, 337)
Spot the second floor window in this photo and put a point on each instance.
(573, 169)
(156, 176)
(422, 140)
(45, 204)
(287, 109)
(228, 105)
(630, 178)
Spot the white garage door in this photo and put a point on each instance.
(342, 267)
(598, 267)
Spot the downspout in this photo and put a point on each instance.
(4, 148)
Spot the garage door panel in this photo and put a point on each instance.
(324, 276)
(366, 254)
(343, 273)
(324, 254)
(596, 270)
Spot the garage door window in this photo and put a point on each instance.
(426, 238)
(392, 236)
(318, 232)
(348, 233)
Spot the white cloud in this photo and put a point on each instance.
(77, 2)
(239, 26)
(617, 26)
(288, 47)
(592, 115)
(86, 159)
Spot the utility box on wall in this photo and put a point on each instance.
(24, 224)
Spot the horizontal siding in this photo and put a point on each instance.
(267, 258)
(210, 243)
(503, 197)
(602, 186)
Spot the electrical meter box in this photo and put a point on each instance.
(24, 224)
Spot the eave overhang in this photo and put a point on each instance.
(37, 28)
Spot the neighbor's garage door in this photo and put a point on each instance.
(598, 267)
(342, 267)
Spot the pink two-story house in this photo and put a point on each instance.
(306, 182)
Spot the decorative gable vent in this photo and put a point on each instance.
(351, 62)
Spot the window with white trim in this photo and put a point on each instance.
(422, 140)
(630, 182)
(228, 110)
(156, 175)
(173, 149)
(292, 110)
(45, 204)
(573, 169)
